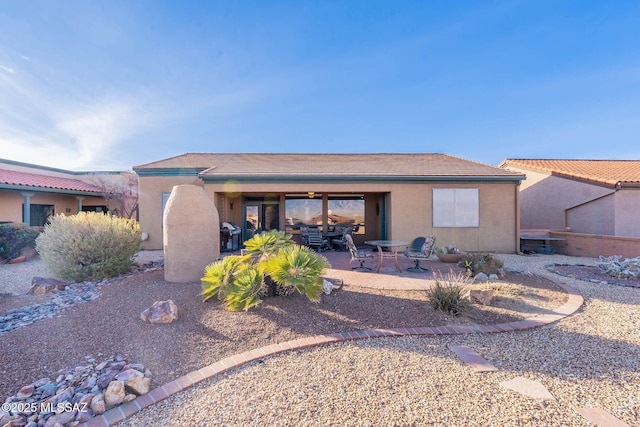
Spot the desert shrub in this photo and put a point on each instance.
(450, 293)
(482, 263)
(272, 265)
(15, 237)
(88, 246)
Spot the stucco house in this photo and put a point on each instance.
(31, 193)
(383, 196)
(600, 197)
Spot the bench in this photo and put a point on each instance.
(539, 244)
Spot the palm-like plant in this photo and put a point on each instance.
(298, 268)
(272, 258)
(219, 276)
(266, 244)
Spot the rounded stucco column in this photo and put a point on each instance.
(191, 234)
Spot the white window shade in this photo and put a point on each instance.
(456, 207)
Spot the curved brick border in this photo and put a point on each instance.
(124, 411)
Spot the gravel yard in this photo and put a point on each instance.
(589, 359)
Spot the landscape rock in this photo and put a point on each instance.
(160, 312)
(61, 418)
(114, 394)
(127, 374)
(139, 385)
(25, 392)
(481, 277)
(98, 405)
(482, 296)
(41, 285)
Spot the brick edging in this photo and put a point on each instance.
(126, 410)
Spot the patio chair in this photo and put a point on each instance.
(315, 239)
(420, 249)
(340, 242)
(360, 255)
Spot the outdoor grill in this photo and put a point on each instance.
(230, 235)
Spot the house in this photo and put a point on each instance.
(30, 193)
(599, 197)
(383, 196)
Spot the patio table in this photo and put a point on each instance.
(393, 246)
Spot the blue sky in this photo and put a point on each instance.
(87, 85)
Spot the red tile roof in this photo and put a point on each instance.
(610, 172)
(312, 164)
(43, 181)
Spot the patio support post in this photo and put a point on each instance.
(26, 207)
(79, 198)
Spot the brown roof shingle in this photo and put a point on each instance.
(43, 181)
(313, 164)
(610, 172)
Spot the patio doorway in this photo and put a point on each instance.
(258, 217)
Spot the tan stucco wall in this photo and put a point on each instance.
(408, 204)
(544, 199)
(11, 203)
(627, 216)
(596, 217)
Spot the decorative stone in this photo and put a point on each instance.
(493, 276)
(41, 285)
(139, 385)
(482, 296)
(127, 374)
(481, 277)
(18, 260)
(128, 398)
(327, 286)
(26, 391)
(191, 242)
(62, 418)
(98, 405)
(160, 312)
(114, 394)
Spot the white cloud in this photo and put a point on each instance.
(7, 69)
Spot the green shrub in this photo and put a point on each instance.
(450, 293)
(272, 265)
(15, 237)
(482, 263)
(88, 246)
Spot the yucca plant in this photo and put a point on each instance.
(273, 265)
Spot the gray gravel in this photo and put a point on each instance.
(590, 359)
(15, 279)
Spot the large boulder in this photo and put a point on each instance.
(160, 312)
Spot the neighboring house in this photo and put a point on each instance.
(587, 196)
(383, 196)
(30, 193)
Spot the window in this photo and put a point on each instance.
(346, 210)
(303, 210)
(456, 207)
(307, 209)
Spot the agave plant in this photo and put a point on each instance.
(272, 259)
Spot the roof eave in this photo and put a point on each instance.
(375, 178)
(50, 190)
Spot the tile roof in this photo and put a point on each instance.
(25, 179)
(311, 164)
(610, 172)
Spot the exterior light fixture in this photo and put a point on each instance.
(311, 194)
